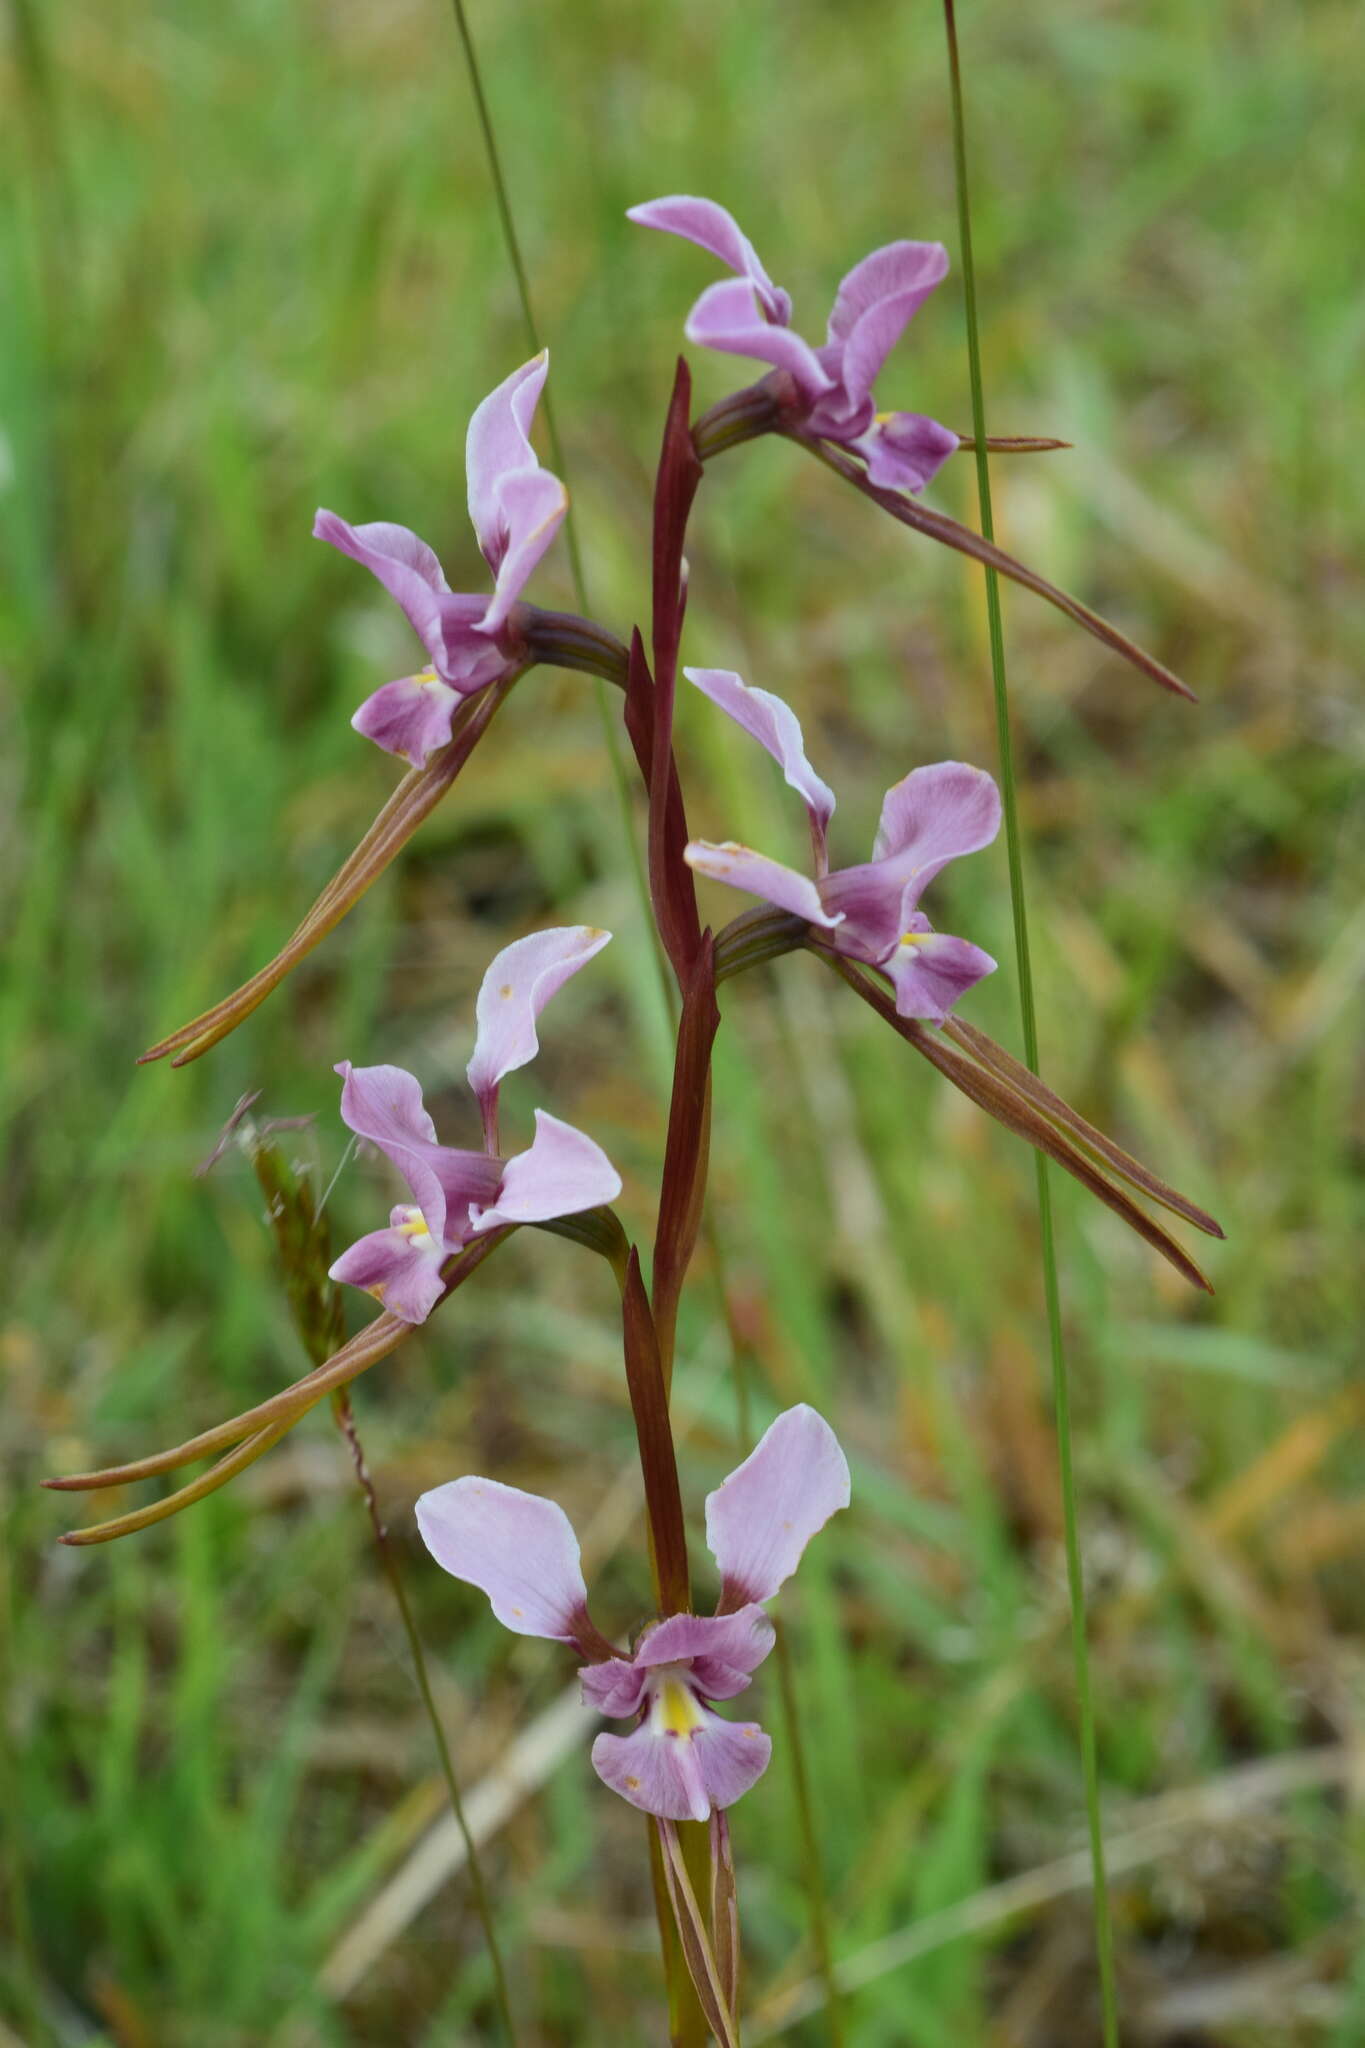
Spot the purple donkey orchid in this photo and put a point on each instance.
(458, 1195)
(827, 390)
(871, 912)
(516, 507)
(681, 1759)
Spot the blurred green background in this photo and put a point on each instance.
(250, 263)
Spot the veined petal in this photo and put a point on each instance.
(760, 1519)
(875, 303)
(405, 565)
(410, 717)
(533, 504)
(560, 1173)
(400, 1266)
(497, 444)
(724, 1650)
(384, 1105)
(728, 317)
(931, 817)
(742, 868)
(681, 1776)
(773, 723)
(518, 1548)
(709, 225)
(929, 970)
(518, 984)
(905, 450)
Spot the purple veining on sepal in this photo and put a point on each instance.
(824, 392)
(516, 508)
(458, 1195)
(870, 911)
(681, 1760)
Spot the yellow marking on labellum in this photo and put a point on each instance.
(506, 991)
(915, 938)
(679, 1712)
(416, 1226)
(425, 678)
(634, 1784)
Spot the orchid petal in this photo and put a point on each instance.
(682, 1777)
(724, 1650)
(518, 1548)
(708, 225)
(410, 717)
(405, 565)
(742, 868)
(518, 984)
(497, 444)
(561, 1173)
(905, 450)
(760, 1519)
(400, 1267)
(384, 1105)
(727, 317)
(615, 1687)
(773, 723)
(929, 971)
(534, 503)
(932, 816)
(875, 303)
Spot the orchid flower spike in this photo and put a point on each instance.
(458, 1195)
(826, 391)
(871, 913)
(516, 507)
(681, 1759)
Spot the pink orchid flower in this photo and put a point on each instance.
(516, 507)
(827, 390)
(871, 912)
(458, 1195)
(681, 1759)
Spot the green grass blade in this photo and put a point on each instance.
(1048, 1249)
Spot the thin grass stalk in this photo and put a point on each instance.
(1104, 1940)
(345, 1420)
(512, 243)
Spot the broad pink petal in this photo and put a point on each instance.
(518, 1548)
(410, 717)
(875, 303)
(401, 1270)
(905, 450)
(760, 1519)
(742, 868)
(724, 1650)
(933, 816)
(929, 971)
(384, 1105)
(868, 897)
(533, 504)
(562, 1172)
(519, 983)
(728, 317)
(708, 225)
(615, 1687)
(681, 1777)
(497, 444)
(405, 565)
(773, 723)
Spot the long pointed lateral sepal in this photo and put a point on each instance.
(1010, 1106)
(416, 796)
(289, 1406)
(174, 1503)
(1060, 1112)
(952, 534)
(696, 1945)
